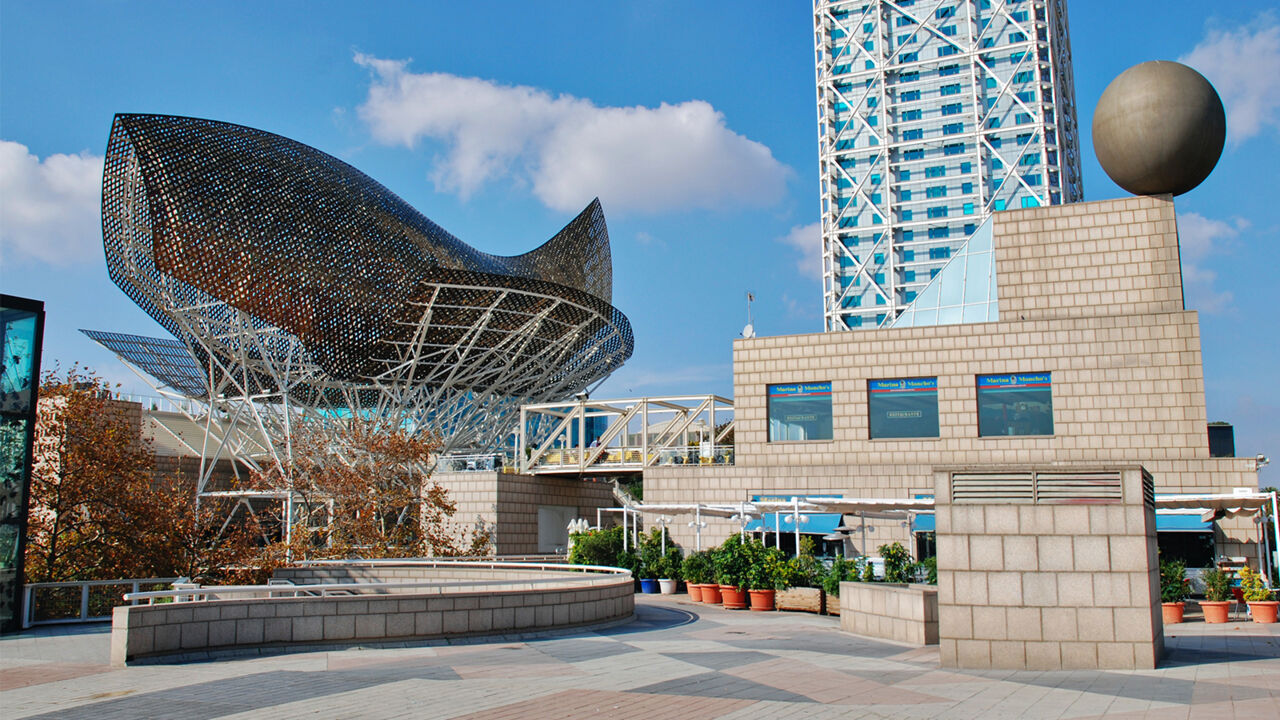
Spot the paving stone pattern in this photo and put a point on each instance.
(676, 659)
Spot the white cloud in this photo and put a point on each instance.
(1199, 238)
(647, 240)
(50, 210)
(807, 308)
(807, 239)
(1244, 65)
(567, 149)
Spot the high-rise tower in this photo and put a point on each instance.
(933, 114)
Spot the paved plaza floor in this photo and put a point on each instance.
(677, 659)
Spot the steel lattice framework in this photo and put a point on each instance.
(304, 291)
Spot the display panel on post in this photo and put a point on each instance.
(1015, 404)
(22, 336)
(903, 408)
(800, 411)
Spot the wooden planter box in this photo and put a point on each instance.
(801, 599)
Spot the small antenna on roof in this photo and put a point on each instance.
(749, 331)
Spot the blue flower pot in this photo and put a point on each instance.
(648, 586)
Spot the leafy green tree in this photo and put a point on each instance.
(897, 563)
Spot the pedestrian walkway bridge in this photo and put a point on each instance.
(626, 435)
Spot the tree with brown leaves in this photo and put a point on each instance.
(367, 493)
(99, 511)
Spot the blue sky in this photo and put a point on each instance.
(694, 122)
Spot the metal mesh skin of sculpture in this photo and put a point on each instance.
(301, 288)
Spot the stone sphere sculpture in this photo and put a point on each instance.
(1159, 128)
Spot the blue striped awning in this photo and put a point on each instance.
(922, 523)
(1181, 522)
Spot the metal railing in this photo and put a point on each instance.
(283, 590)
(82, 601)
(487, 462)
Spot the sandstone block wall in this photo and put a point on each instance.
(1089, 292)
(1048, 586)
(508, 503)
(142, 631)
(902, 613)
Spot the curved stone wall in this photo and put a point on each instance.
(467, 601)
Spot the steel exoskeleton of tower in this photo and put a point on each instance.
(933, 114)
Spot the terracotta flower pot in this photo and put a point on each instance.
(762, 599)
(1172, 612)
(711, 593)
(1215, 611)
(734, 597)
(1263, 611)
(695, 591)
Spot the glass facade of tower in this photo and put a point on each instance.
(931, 116)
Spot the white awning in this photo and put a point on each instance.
(1213, 506)
(848, 506)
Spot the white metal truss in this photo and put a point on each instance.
(625, 435)
(932, 114)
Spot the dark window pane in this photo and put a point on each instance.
(1015, 404)
(800, 411)
(904, 408)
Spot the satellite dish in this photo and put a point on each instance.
(749, 331)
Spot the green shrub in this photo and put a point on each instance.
(1173, 581)
(868, 570)
(769, 569)
(1252, 587)
(930, 567)
(1217, 585)
(671, 563)
(697, 568)
(897, 563)
(832, 578)
(732, 560)
(596, 547)
(804, 571)
(650, 554)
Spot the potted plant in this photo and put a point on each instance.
(1258, 595)
(766, 576)
(803, 589)
(1217, 595)
(1173, 588)
(698, 573)
(669, 574)
(648, 583)
(732, 560)
(650, 561)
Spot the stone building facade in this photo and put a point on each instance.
(1089, 294)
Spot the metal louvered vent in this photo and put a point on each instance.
(1070, 488)
(992, 488)
(1049, 488)
(1148, 490)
